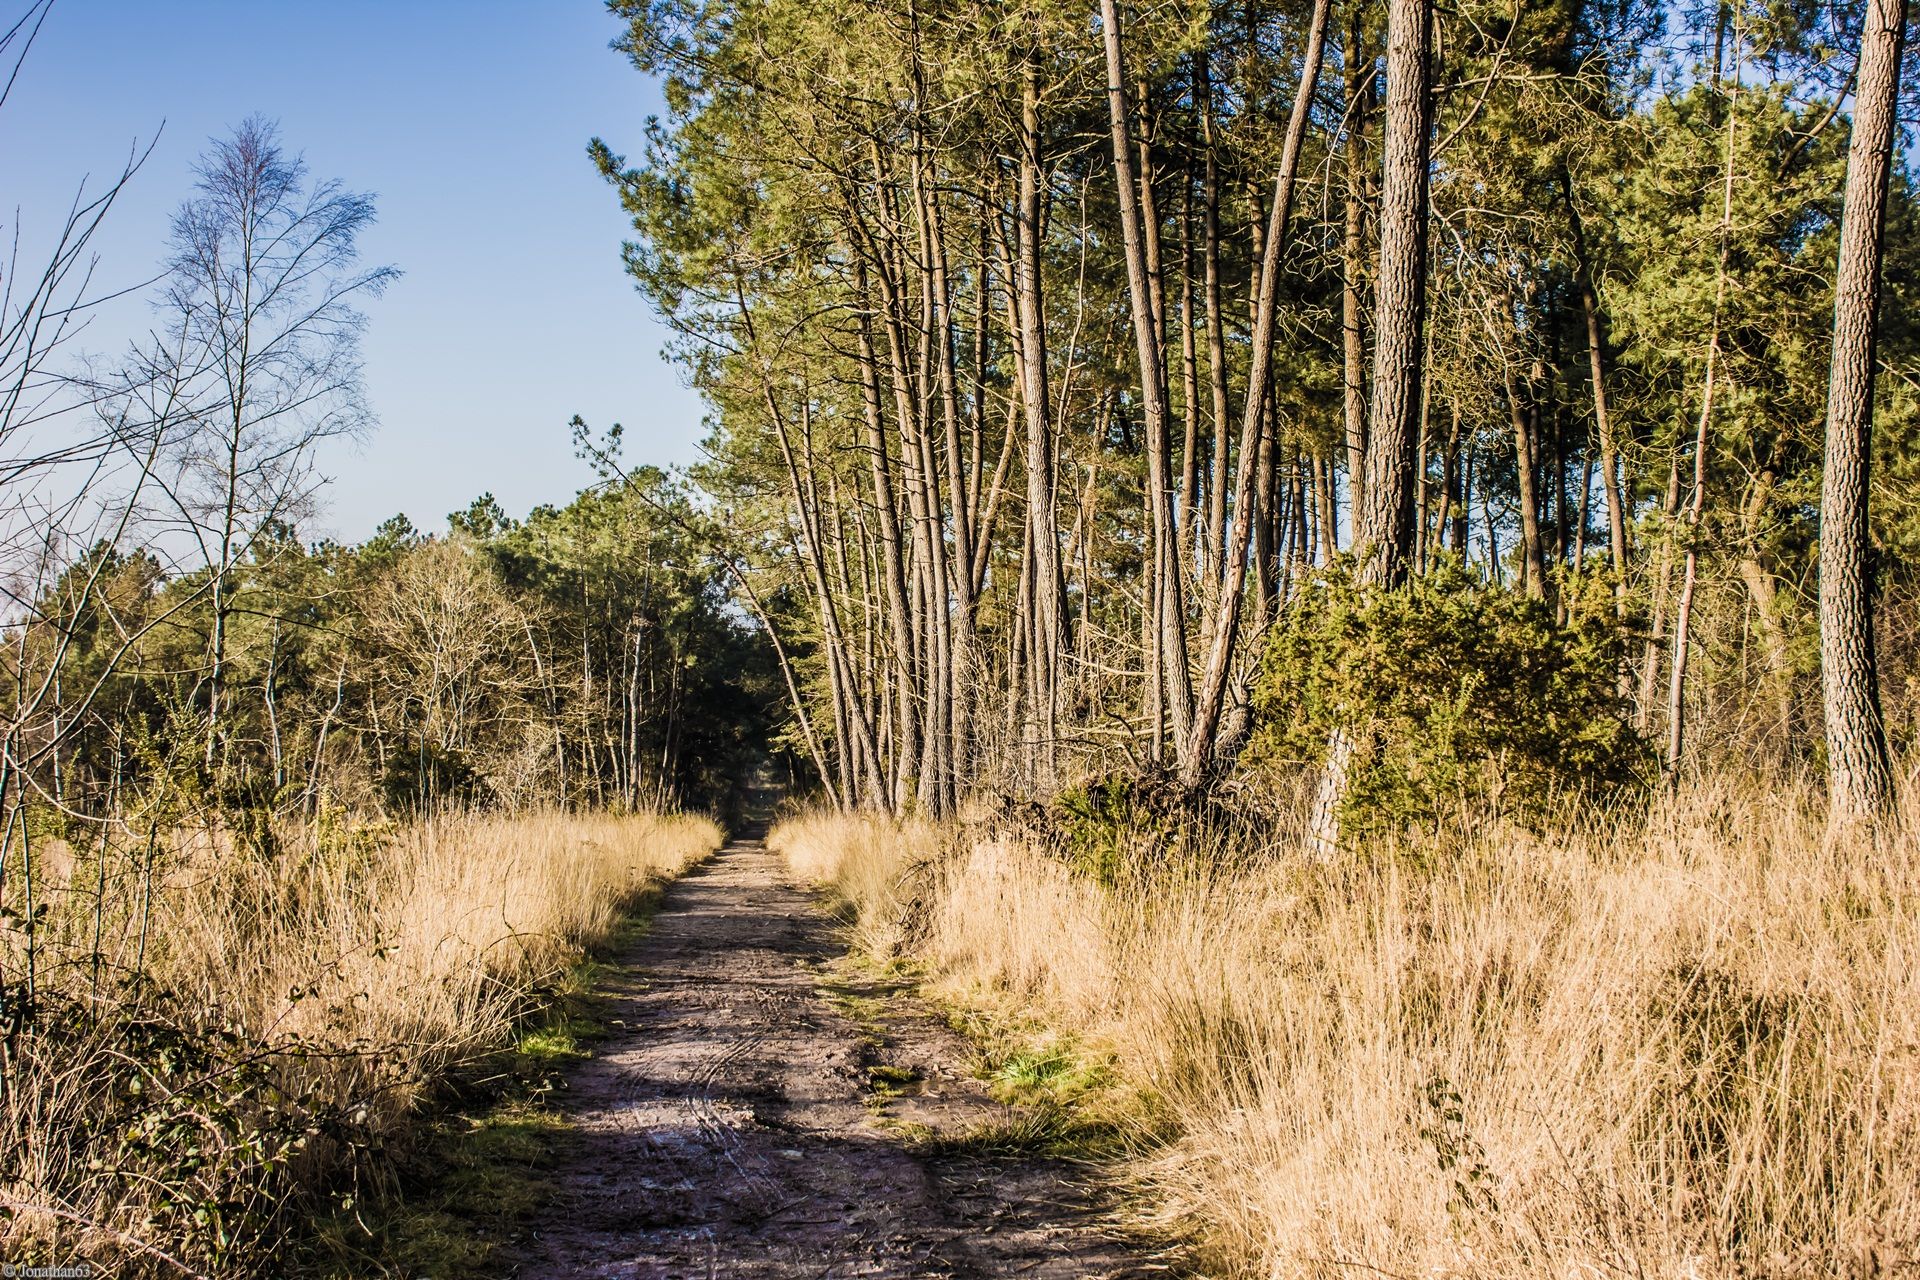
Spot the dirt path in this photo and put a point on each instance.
(733, 1125)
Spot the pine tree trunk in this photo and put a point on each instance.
(1173, 689)
(1860, 775)
(1047, 633)
(1532, 562)
(1385, 524)
(894, 573)
(1602, 416)
(1190, 475)
(1384, 519)
(1702, 436)
(1196, 753)
(1216, 536)
(1353, 377)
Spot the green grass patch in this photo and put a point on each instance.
(1049, 1132)
(886, 1081)
(478, 1171)
(1067, 1101)
(1055, 1073)
(864, 1011)
(475, 1182)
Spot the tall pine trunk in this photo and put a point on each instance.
(1047, 632)
(1353, 351)
(1860, 775)
(1602, 415)
(1384, 520)
(1168, 671)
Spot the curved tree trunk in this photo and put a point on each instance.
(1196, 753)
(1173, 688)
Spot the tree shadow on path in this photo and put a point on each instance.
(735, 1123)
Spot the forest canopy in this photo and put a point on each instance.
(1055, 350)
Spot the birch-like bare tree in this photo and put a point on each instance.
(257, 358)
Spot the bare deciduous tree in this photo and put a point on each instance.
(258, 356)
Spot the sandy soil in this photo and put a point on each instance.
(742, 1121)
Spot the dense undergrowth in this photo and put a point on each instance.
(1675, 1040)
(1460, 699)
(229, 1052)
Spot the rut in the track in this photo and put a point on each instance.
(729, 1127)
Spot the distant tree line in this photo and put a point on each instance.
(585, 657)
(177, 653)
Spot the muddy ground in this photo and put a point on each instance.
(757, 1113)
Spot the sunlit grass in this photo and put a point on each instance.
(1679, 1043)
(290, 1018)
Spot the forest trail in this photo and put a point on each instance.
(755, 1113)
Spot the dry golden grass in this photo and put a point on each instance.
(262, 1024)
(868, 867)
(1684, 1045)
(431, 938)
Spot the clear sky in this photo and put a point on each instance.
(469, 122)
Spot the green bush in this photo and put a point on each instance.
(1460, 698)
(1106, 825)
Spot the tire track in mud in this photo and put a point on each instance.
(729, 1125)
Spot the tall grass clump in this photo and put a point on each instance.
(872, 869)
(224, 1040)
(1677, 1042)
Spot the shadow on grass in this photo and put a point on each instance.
(461, 1197)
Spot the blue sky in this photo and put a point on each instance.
(469, 122)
